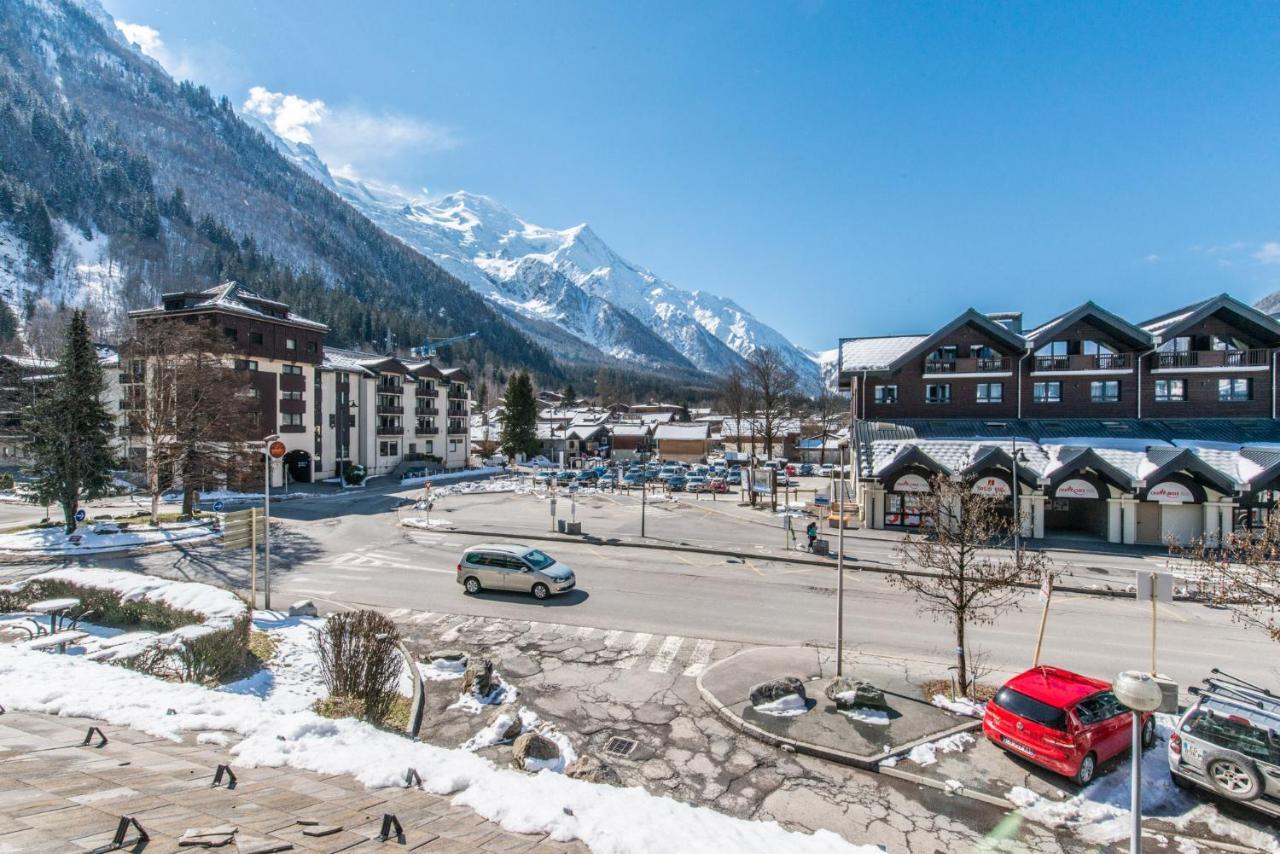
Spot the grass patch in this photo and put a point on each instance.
(983, 692)
(351, 707)
(262, 645)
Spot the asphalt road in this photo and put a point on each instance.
(351, 550)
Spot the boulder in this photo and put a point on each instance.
(531, 745)
(513, 728)
(446, 655)
(592, 770)
(767, 692)
(478, 677)
(849, 693)
(303, 608)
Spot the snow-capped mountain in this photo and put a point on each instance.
(568, 277)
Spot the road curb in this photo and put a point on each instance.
(596, 541)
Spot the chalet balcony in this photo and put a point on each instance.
(1098, 362)
(1210, 359)
(389, 427)
(993, 365)
(457, 410)
(457, 392)
(387, 387)
(426, 427)
(457, 426)
(390, 409)
(425, 410)
(425, 390)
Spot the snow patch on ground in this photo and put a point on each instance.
(291, 682)
(502, 694)
(451, 476)
(927, 754)
(422, 522)
(218, 607)
(865, 715)
(960, 705)
(56, 541)
(442, 670)
(784, 707)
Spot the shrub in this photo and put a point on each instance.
(359, 659)
(354, 475)
(6, 480)
(216, 656)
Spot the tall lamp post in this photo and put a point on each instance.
(1017, 457)
(644, 487)
(272, 449)
(1139, 692)
(840, 565)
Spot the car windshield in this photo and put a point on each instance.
(537, 559)
(1031, 709)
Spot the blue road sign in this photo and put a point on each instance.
(80, 515)
(217, 506)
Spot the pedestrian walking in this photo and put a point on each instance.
(812, 532)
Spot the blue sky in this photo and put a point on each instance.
(837, 168)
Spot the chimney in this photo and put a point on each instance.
(1011, 320)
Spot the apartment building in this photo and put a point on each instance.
(332, 408)
(1104, 428)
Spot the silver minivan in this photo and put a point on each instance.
(511, 567)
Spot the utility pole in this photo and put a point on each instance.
(273, 449)
(840, 570)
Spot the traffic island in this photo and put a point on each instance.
(861, 736)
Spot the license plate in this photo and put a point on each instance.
(1021, 748)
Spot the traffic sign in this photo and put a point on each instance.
(244, 528)
(80, 515)
(217, 506)
(1154, 586)
(276, 449)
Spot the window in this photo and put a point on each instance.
(291, 419)
(291, 343)
(1168, 391)
(255, 337)
(291, 395)
(1228, 342)
(1098, 708)
(351, 421)
(230, 333)
(946, 354)
(311, 346)
(1104, 391)
(886, 394)
(990, 392)
(246, 365)
(388, 449)
(341, 398)
(428, 448)
(1096, 348)
(1053, 348)
(982, 351)
(1176, 345)
(1232, 733)
(937, 393)
(1047, 392)
(296, 370)
(1032, 709)
(333, 421)
(1235, 390)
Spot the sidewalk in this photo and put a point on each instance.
(56, 795)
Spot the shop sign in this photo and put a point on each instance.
(991, 487)
(1076, 488)
(911, 483)
(1170, 492)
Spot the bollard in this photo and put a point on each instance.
(122, 828)
(88, 737)
(217, 777)
(389, 821)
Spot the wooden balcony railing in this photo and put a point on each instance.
(995, 364)
(1210, 359)
(1099, 362)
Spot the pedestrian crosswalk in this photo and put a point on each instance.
(637, 651)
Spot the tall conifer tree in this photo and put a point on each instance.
(519, 418)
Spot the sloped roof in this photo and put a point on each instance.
(692, 431)
(1169, 325)
(1136, 336)
(631, 429)
(231, 298)
(874, 354)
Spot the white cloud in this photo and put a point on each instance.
(146, 38)
(350, 139)
(209, 63)
(288, 115)
(1268, 253)
(1152, 259)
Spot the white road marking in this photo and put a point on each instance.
(700, 659)
(634, 651)
(611, 638)
(666, 654)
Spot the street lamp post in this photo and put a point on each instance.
(1017, 457)
(840, 568)
(1140, 693)
(270, 451)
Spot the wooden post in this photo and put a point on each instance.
(253, 558)
(1047, 590)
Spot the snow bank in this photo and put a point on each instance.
(865, 715)
(292, 682)
(960, 705)
(219, 608)
(442, 670)
(784, 707)
(429, 524)
(1099, 814)
(605, 818)
(56, 541)
(449, 477)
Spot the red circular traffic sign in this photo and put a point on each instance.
(276, 449)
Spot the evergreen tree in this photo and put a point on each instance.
(520, 418)
(570, 394)
(69, 429)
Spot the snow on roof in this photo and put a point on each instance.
(750, 426)
(871, 354)
(631, 429)
(233, 298)
(682, 431)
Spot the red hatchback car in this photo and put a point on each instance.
(1063, 721)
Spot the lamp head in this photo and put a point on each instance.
(1137, 691)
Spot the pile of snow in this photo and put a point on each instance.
(927, 754)
(442, 670)
(785, 707)
(866, 715)
(1099, 814)
(291, 682)
(451, 476)
(424, 522)
(960, 705)
(602, 817)
(56, 541)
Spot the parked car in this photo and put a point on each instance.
(1063, 721)
(588, 476)
(791, 469)
(543, 476)
(717, 484)
(606, 482)
(511, 567)
(668, 472)
(633, 480)
(1227, 743)
(697, 483)
(734, 476)
(676, 483)
(565, 476)
(825, 470)
(806, 470)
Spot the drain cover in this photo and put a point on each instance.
(619, 746)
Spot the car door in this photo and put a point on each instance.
(1116, 726)
(516, 576)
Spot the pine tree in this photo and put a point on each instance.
(69, 429)
(519, 418)
(570, 394)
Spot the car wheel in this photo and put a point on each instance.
(541, 591)
(471, 585)
(1149, 734)
(1233, 776)
(1088, 766)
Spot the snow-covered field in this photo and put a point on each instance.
(270, 712)
(55, 540)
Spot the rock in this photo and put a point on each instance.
(592, 770)
(446, 655)
(531, 745)
(514, 727)
(849, 693)
(478, 678)
(304, 608)
(767, 692)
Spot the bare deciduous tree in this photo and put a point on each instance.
(972, 577)
(734, 397)
(1241, 572)
(774, 387)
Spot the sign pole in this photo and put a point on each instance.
(266, 537)
(1046, 591)
(1153, 630)
(840, 574)
(253, 558)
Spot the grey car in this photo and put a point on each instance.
(514, 568)
(1227, 743)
